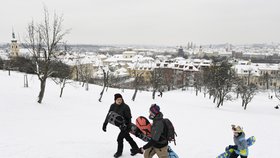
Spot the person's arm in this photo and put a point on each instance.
(127, 114)
(106, 119)
(149, 144)
(156, 132)
(243, 143)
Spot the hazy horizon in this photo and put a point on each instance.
(150, 22)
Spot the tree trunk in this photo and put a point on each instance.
(134, 95)
(154, 93)
(105, 77)
(218, 104)
(62, 88)
(42, 90)
(245, 106)
(101, 94)
(61, 91)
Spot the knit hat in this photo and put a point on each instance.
(154, 109)
(117, 95)
(236, 128)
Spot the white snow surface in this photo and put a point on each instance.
(71, 126)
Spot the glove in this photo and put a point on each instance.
(104, 127)
(142, 150)
(231, 147)
(123, 127)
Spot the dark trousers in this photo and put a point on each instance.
(125, 135)
(234, 155)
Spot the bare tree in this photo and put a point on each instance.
(247, 93)
(44, 42)
(198, 82)
(266, 78)
(157, 80)
(277, 95)
(137, 81)
(105, 83)
(221, 79)
(168, 78)
(1, 64)
(62, 76)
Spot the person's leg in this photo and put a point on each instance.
(149, 153)
(233, 155)
(120, 143)
(131, 142)
(243, 156)
(162, 152)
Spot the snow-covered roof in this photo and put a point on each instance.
(266, 67)
(129, 52)
(246, 69)
(122, 72)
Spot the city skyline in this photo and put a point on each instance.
(150, 22)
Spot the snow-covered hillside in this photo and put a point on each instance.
(71, 126)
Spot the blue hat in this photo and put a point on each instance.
(154, 109)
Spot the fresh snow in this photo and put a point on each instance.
(71, 126)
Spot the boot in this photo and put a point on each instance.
(120, 150)
(135, 151)
(117, 154)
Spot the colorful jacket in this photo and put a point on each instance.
(242, 147)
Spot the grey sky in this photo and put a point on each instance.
(153, 22)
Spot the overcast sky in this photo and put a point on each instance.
(150, 22)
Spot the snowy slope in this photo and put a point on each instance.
(70, 127)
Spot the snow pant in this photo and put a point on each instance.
(125, 135)
(161, 152)
(234, 155)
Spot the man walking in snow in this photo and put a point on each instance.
(122, 109)
(158, 143)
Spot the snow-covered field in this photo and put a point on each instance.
(71, 126)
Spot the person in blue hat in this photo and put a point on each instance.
(158, 143)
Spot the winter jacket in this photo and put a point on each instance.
(242, 147)
(158, 139)
(122, 110)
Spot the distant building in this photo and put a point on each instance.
(14, 48)
(128, 54)
(181, 52)
(260, 74)
(237, 55)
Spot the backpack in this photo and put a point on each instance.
(169, 130)
(144, 125)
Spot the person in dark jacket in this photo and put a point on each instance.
(158, 143)
(122, 109)
(240, 148)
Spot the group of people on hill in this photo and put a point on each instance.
(158, 144)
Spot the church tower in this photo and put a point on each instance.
(14, 48)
